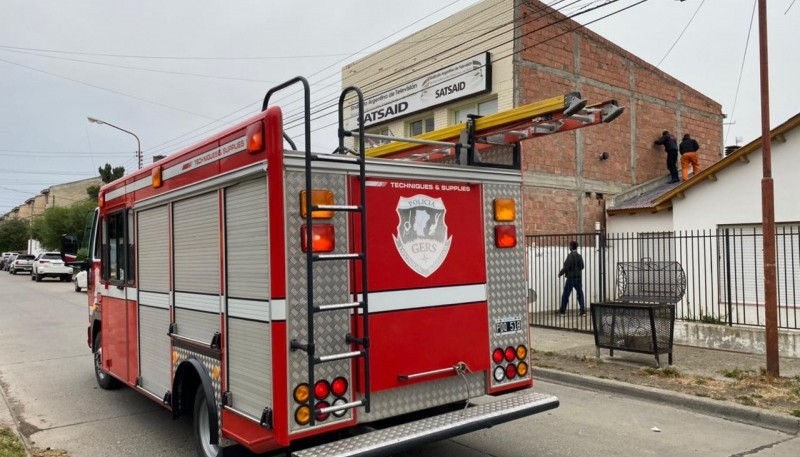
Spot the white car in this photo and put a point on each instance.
(50, 264)
(80, 280)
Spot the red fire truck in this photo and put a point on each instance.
(282, 297)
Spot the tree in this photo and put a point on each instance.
(107, 174)
(58, 221)
(14, 235)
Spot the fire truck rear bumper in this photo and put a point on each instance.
(412, 434)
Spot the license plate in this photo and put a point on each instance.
(508, 325)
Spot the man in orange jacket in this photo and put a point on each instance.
(688, 149)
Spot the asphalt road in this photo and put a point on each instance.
(46, 374)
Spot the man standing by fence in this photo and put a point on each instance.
(573, 270)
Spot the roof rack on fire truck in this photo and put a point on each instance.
(462, 143)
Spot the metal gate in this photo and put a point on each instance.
(545, 257)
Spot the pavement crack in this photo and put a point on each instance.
(102, 419)
(757, 450)
(22, 362)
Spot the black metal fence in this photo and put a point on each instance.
(723, 268)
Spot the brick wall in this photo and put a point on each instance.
(565, 178)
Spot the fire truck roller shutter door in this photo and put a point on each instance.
(247, 279)
(196, 266)
(154, 343)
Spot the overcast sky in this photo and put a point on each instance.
(174, 72)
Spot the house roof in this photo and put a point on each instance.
(659, 197)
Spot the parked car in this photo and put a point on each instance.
(4, 259)
(50, 264)
(22, 263)
(80, 280)
(7, 265)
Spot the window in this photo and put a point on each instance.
(372, 142)
(481, 109)
(420, 126)
(117, 247)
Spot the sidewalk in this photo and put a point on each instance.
(693, 361)
(687, 359)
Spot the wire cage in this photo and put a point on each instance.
(647, 281)
(643, 317)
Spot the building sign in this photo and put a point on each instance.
(460, 80)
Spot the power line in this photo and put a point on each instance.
(290, 119)
(152, 70)
(159, 147)
(435, 59)
(296, 120)
(681, 34)
(131, 56)
(741, 68)
(94, 86)
(60, 172)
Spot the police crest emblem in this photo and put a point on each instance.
(422, 239)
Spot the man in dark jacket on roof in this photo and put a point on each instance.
(573, 270)
(671, 146)
(688, 149)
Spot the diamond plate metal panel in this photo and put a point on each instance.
(331, 285)
(505, 276)
(389, 403)
(211, 365)
(448, 424)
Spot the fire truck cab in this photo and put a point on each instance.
(279, 296)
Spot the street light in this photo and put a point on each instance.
(138, 144)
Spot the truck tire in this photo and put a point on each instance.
(33, 276)
(202, 434)
(38, 278)
(104, 380)
(77, 287)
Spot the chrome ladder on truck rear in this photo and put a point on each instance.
(360, 342)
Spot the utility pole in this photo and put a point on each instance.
(768, 204)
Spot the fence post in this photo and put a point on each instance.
(728, 276)
(601, 268)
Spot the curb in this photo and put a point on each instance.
(726, 410)
(14, 425)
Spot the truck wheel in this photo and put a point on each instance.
(77, 287)
(104, 380)
(13, 272)
(66, 278)
(33, 277)
(202, 432)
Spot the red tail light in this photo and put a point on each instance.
(322, 389)
(44, 261)
(497, 355)
(511, 371)
(323, 238)
(339, 387)
(505, 236)
(511, 353)
(322, 416)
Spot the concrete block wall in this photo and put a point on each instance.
(565, 170)
(70, 193)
